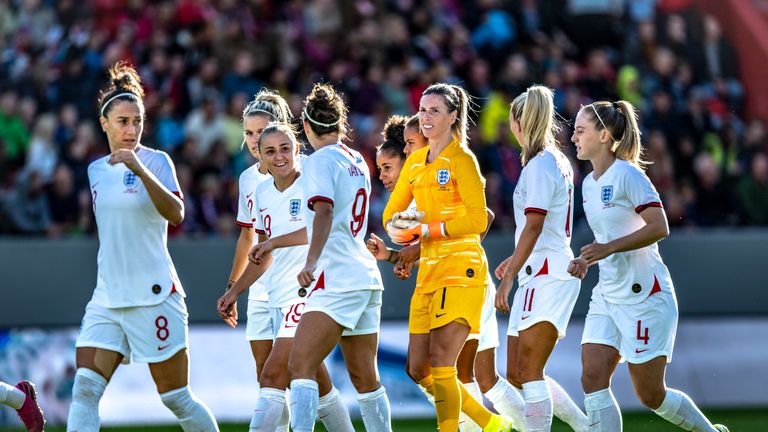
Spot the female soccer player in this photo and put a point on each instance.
(138, 305)
(478, 356)
(633, 312)
(23, 398)
(543, 303)
(445, 181)
(266, 107)
(340, 278)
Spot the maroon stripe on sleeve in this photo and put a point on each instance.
(243, 224)
(311, 201)
(258, 231)
(638, 209)
(535, 210)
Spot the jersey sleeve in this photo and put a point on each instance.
(640, 191)
(539, 187)
(246, 203)
(165, 171)
(471, 187)
(402, 196)
(258, 221)
(319, 181)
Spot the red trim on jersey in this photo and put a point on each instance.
(179, 194)
(638, 209)
(258, 231)
(346, 149)
(656, 287)
(311, 201)
(535, 210)
(320, 284)
(173, 288)
(244, 225)
(544, 269)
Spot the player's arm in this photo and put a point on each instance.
(321, 229)
(506, 271)
(170, 206)
(656, 228)
(226, 306)
(239, 262)
(471, 188)
(296, 238)
(491, 217)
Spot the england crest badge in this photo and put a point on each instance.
(443, 177)
(130, 179)
(606, 194)
(294, 206)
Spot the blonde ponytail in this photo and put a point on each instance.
(534, 111)
(620, 119)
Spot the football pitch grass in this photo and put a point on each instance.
(738, 420)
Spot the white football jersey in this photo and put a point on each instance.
(339, 175)
(546, 186)
(612, 205)
(134, 266)
(246, 216)
(281, 213)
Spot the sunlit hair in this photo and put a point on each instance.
(394, 141)
(284, 128)
(534, 111)
(269, 103)
(124, 84)
(325, 111)
(620, 120)
(457, 99)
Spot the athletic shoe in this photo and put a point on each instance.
(30, 413)
(721, 428)
(499, 423)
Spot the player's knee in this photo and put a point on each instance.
(418, 372)
(486, 379)
(465, 375)
(513, 376)
(364, 382)
(594, 378)
(651, 397)
(273, 379)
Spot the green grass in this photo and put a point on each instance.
(741, 420)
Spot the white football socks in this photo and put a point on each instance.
(538, 406)
(11, 396)
(269, 410)
(678, 409)
(86, 393)
(193, 414)
(374, 408)
(332, 412)
(603, 413)
(564, 408)
(304, 400)
(508, 401)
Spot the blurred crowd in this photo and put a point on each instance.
(202, 60)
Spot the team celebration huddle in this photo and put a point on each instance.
(310, 267)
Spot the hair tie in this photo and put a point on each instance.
(306, 115)
(616, 106)
(103, 107)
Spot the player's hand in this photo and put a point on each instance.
(410, 214)
(226, 306)
(578, 267)
(595, 252)
(129, 158)
(410, 254)
(402, 270)
(502, 268)
(307, 274)
(256, 255)
(502, 294)
(377, 248)
(407, 236)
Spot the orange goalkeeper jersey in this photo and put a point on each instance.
(451, 190)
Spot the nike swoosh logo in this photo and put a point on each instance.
(94, 185)
(638, 351)
(249, 195)
(160, 348)
(415, 237)
(437, 315)
(262, 209)
(411, 182)
(525, 317)
(594, 424)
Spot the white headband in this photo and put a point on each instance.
(254, 111)
(602, 122)
(319, 123)
(103, 107)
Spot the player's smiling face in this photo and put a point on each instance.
(434, 118)
(278, 154)
(414, 140)
(123, 124)
(586, 137)
(252, 128)
(389, 166)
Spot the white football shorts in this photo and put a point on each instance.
(286, 319)
(489, 328)
(543, 298)
(359, 312)
(259, 325)
(145, 334)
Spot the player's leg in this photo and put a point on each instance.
(331, 410)
(418, 367)
(101, 346)
(23, 398)
(359, 345)
(259, 332)
(271, 402)
(506, 399)
(465, 368)
(598, 364)
(315, 338)
(534, 347)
